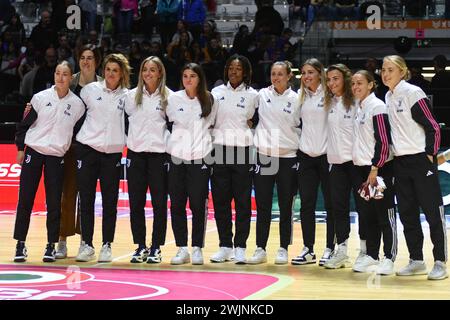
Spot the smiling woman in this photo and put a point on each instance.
(47, 131)
(101, 142)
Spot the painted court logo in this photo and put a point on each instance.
(73, 283)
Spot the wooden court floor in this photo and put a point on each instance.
(296, 282)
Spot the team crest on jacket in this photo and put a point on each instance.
(159, 107)
(321, 103)
(399, 107)
(121, 105)
(241, 103)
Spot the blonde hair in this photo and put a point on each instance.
(401, 64)
(316, 64)
(347, 98)
(125, 68)
(163, 91)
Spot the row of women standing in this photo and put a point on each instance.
(320, 136)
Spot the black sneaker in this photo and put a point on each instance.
(21, 252)
(50, 253)
(154, 256)
(140, 255)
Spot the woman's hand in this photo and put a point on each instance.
(372, 178)
(19, 157)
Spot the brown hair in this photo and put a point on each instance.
(95, 51)
(369, 77)
(347, 98)
(203, 95)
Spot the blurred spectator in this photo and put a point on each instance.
(44, 78)
(214, 61)
(209, 32)
(440, 83)
(298, 9)
(26, 86)
(193, 12)
(29, 60)
(93, 38)
(146, 48)
(241, 41)
(447, 10)
(372, 65)
(268, 20)
(181, 27)
(211, 6)
(149, 19)
(156, 49)
(88, 14)
(167, 11)
(43, 34)
(9, 61)
(105, 46)
(319, 10)
(135, 59)
(64, 51)
(125, 11)
(346, 10)
(16, 29)
(179, 53)
(418, 80)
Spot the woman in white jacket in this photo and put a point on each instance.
(147, 160)
(99, 151)
(276, 139)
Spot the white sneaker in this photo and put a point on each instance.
(282, 256)
(337, 260)
(105, 253)
(414, 267)
(181, 257)
(197, 255)
(61, 250)
(86, 253)
(82, 244)
(439, 271)
(239, 255)
(360, 256)
(365, 264)
(305, 257)
(326, 256)
(386, 267)
(259, 256)
(224, 254)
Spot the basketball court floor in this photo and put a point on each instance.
(68, 279)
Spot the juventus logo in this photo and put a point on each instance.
(257, 168)
(28, 159)
(168, 165)
(128, 163)
(79, 162)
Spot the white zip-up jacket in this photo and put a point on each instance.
(340, 132)
(313, 140)
(52, 122)
(147, 130)
(372, 133)
(104, 127)
(191, 135)
(235, 107)
(277, 133)
(413, 127)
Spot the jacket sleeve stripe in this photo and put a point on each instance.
(384, 140)
(437, 132)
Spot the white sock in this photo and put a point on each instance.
(362, 246)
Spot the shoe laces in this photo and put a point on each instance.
(180, 252)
